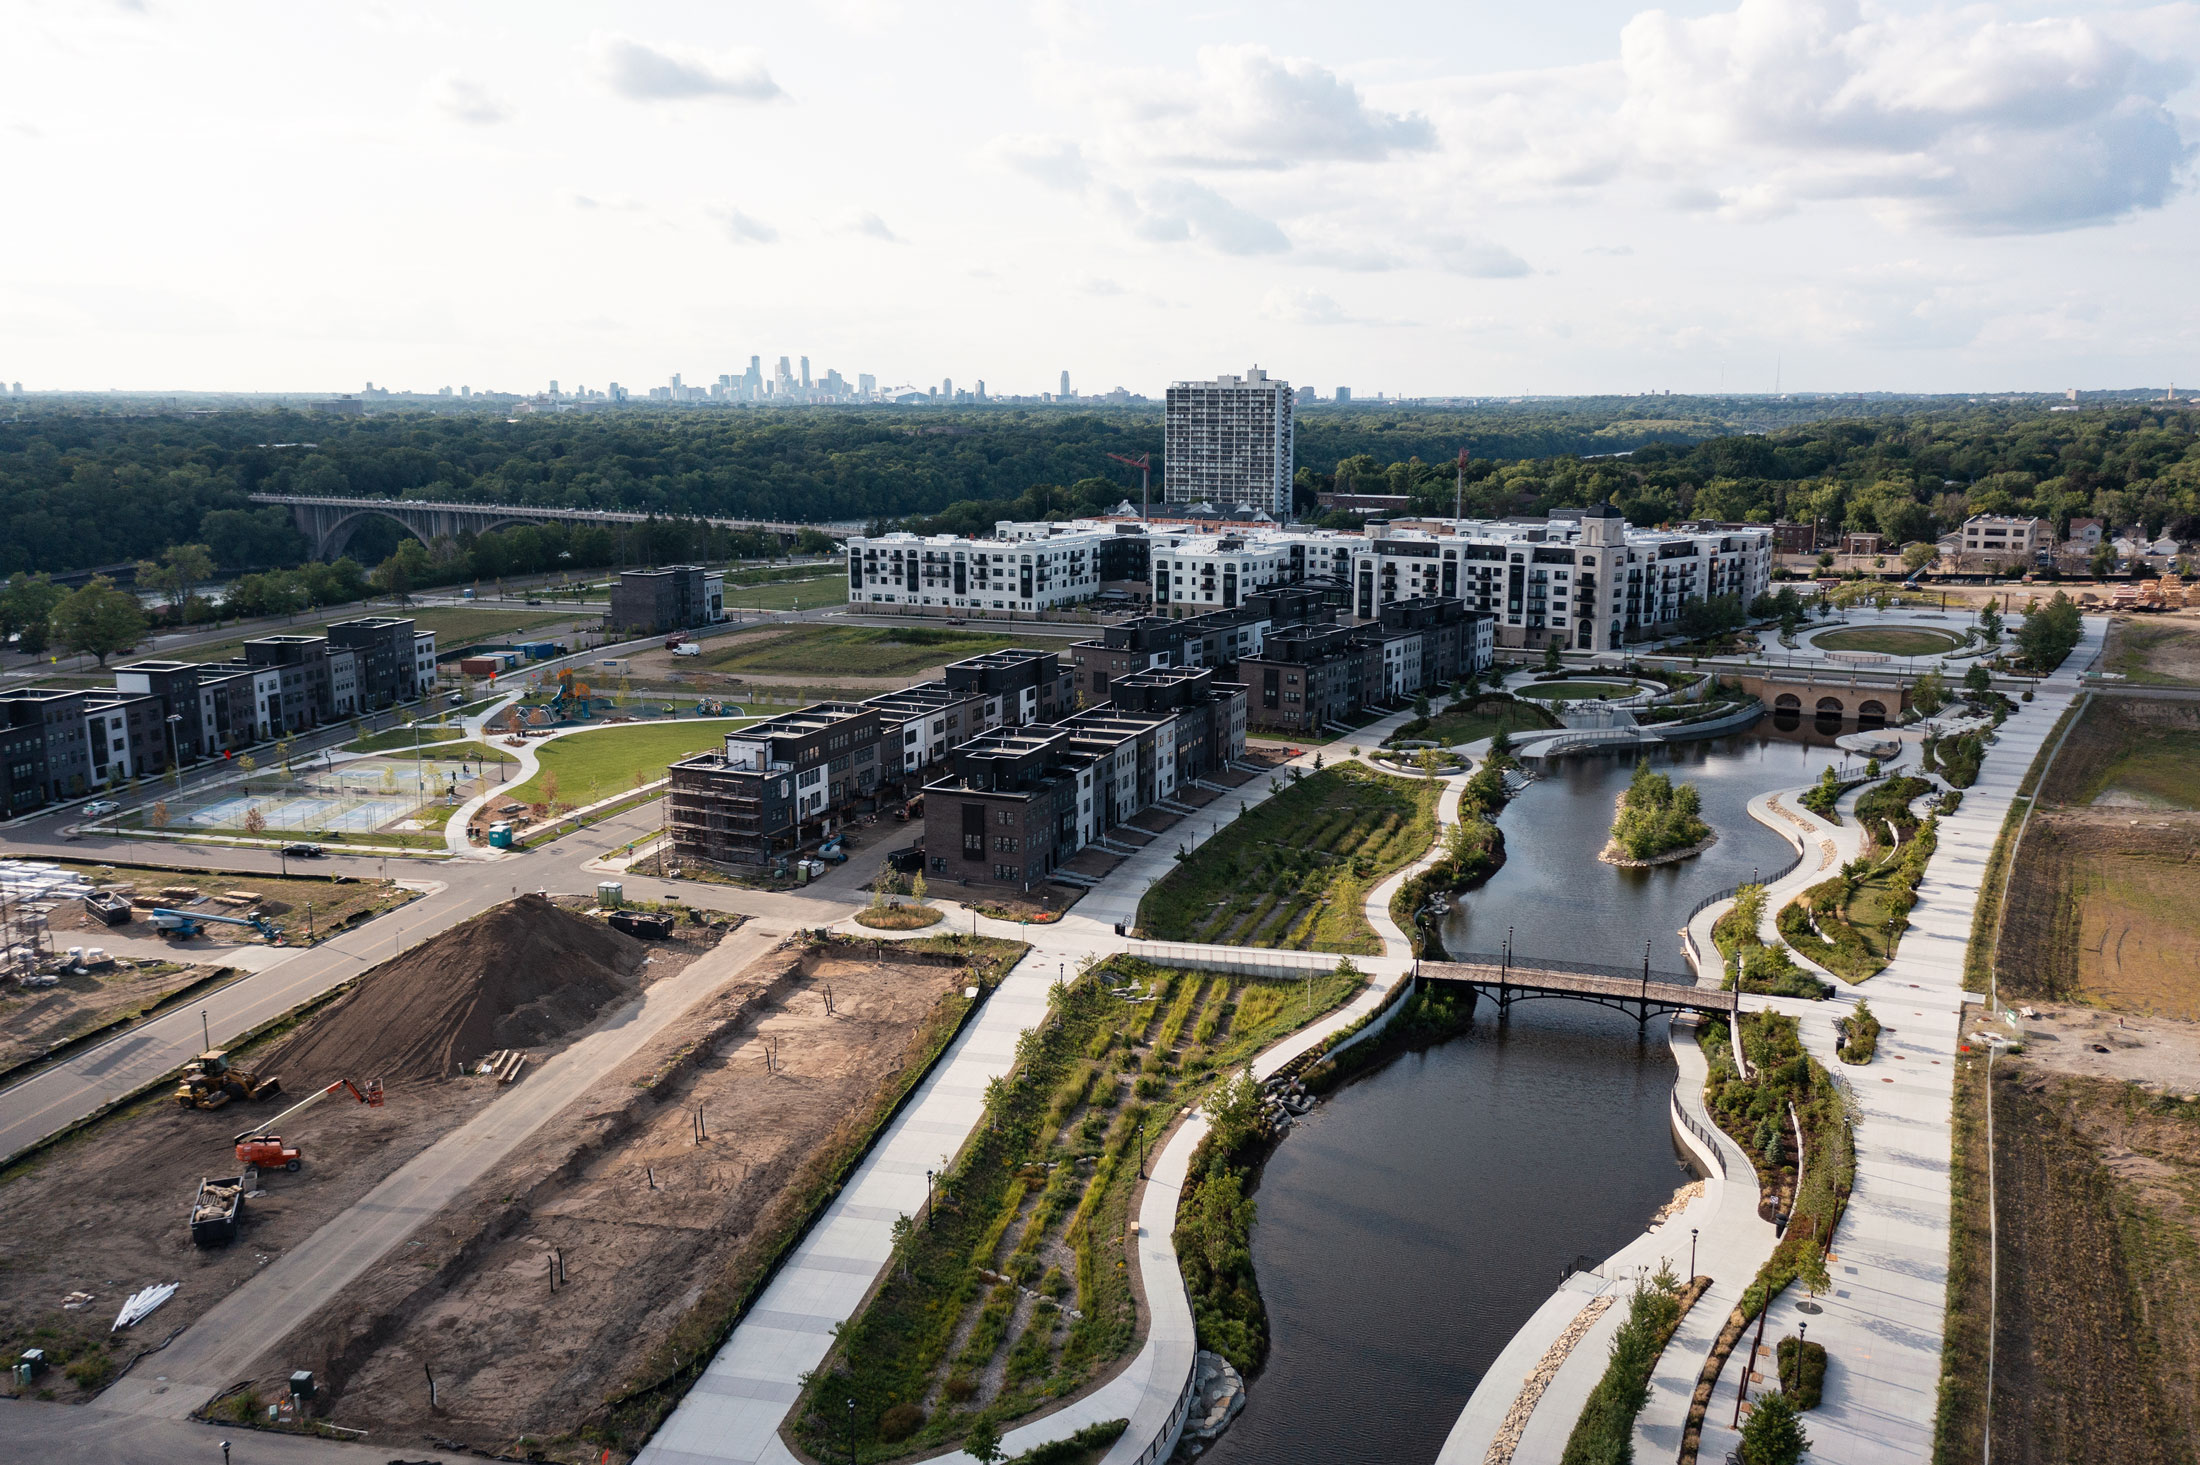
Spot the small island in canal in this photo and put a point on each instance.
(1657, 822)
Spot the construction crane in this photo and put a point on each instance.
(1144, 464)
(185, 924)
(265, 1148)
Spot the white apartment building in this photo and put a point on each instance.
(1583, 579)
(423, 662)
(1229, 442)
(975, 574)
(1997, 534)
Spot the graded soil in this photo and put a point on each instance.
(522, 974)
(625, 1231)
(103, 1212)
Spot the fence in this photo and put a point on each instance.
(1519, 963)
(1688, 1121)
(1165, 1442)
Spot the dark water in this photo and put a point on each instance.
(1414, 1221)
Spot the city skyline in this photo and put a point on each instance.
(1800, 195)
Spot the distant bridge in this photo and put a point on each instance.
(330, 522)
(1637, 991)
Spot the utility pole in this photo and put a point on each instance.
(1459, 493)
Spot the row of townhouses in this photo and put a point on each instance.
(1581, 578)
(1025, 757)
(58, 743)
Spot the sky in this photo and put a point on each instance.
(1467, 197)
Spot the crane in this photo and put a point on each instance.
(185, 924)
(265, 1148)
(1144, 464)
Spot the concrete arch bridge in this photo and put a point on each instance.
(329, 522)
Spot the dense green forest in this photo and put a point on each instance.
(81, 488)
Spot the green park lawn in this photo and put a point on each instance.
(1892, 640)
(601, 762)
(2160, 765)
(787, 594)
(1475, 721)
(856, 651)
(1575, 691)
(1294, 872)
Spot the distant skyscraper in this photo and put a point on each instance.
(554, 385)
(981, 389)
(1229, 441)
(1307, 397)
(947, 387)
(866, 383)
(1065, 384)
(805, 373)
(1344, 394)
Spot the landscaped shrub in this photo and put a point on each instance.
(1773, 1434)
(1765, 969)
(1802, 1371)
(1890, 803)
(1091, 1438)
(1657, 817)
(900, 1422)
(1859, 1039)
(1604, 1434)
(1822, 795)
(1960, 758)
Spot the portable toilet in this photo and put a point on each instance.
(500, 835)
(610, 892)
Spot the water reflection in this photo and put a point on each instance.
(1418, 1218)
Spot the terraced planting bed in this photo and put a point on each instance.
(1015, 1290)
(1294, 872)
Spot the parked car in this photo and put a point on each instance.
(302, 851)
(101, 808)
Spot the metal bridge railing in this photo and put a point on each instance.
(1710, 1142)
(1517, 962)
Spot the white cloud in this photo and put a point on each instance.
(743, 229)
(871, 226)
(466, 101)
(1248, 108)
(1478, 258)
(1100, 285)
(1056, 162)
(652, 74)
(1952, 119)
(1303, 307)
(1172, 210)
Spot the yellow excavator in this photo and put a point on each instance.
(211, 1080)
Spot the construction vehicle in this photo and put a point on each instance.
(210, 1081)
(183, 925)
(263, 1147)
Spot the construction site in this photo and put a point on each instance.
(566, 1290)
(93, 946)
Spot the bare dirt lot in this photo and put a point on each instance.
(33, 1020)
(104, 1212)
(333, 903)
(2160, 650)
(2097, 1351)
(2100, 906)
(653, 1232)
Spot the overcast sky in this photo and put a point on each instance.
(1461, 196)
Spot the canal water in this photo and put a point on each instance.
(1415, 1220)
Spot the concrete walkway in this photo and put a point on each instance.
(735, 1410)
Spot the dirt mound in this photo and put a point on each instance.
(521, 974)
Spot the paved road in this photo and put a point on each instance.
(219, 1348)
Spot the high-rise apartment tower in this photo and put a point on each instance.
(1229, 442)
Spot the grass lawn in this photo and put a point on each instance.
(1477, 720)
(444, 752)
(2157, 765)
(601, 762)
(786, 594)
(856, 651)
(1893, 640)
(1042, 1194)
(402, 737)
(1294, 872)
(1575, 691)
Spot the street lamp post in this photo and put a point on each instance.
(1692, 1253)
(175, 749)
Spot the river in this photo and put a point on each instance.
(1415, 1220)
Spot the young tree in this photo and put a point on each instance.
(1929, 693)
(255, 822)
(160, 814)
(180, 570)
(1977, 682)
(983, 1442)
(1917, 556)
(99, 619)
(1420, 705)
(916, 887)
(1550, 656)
(1773, 1434)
